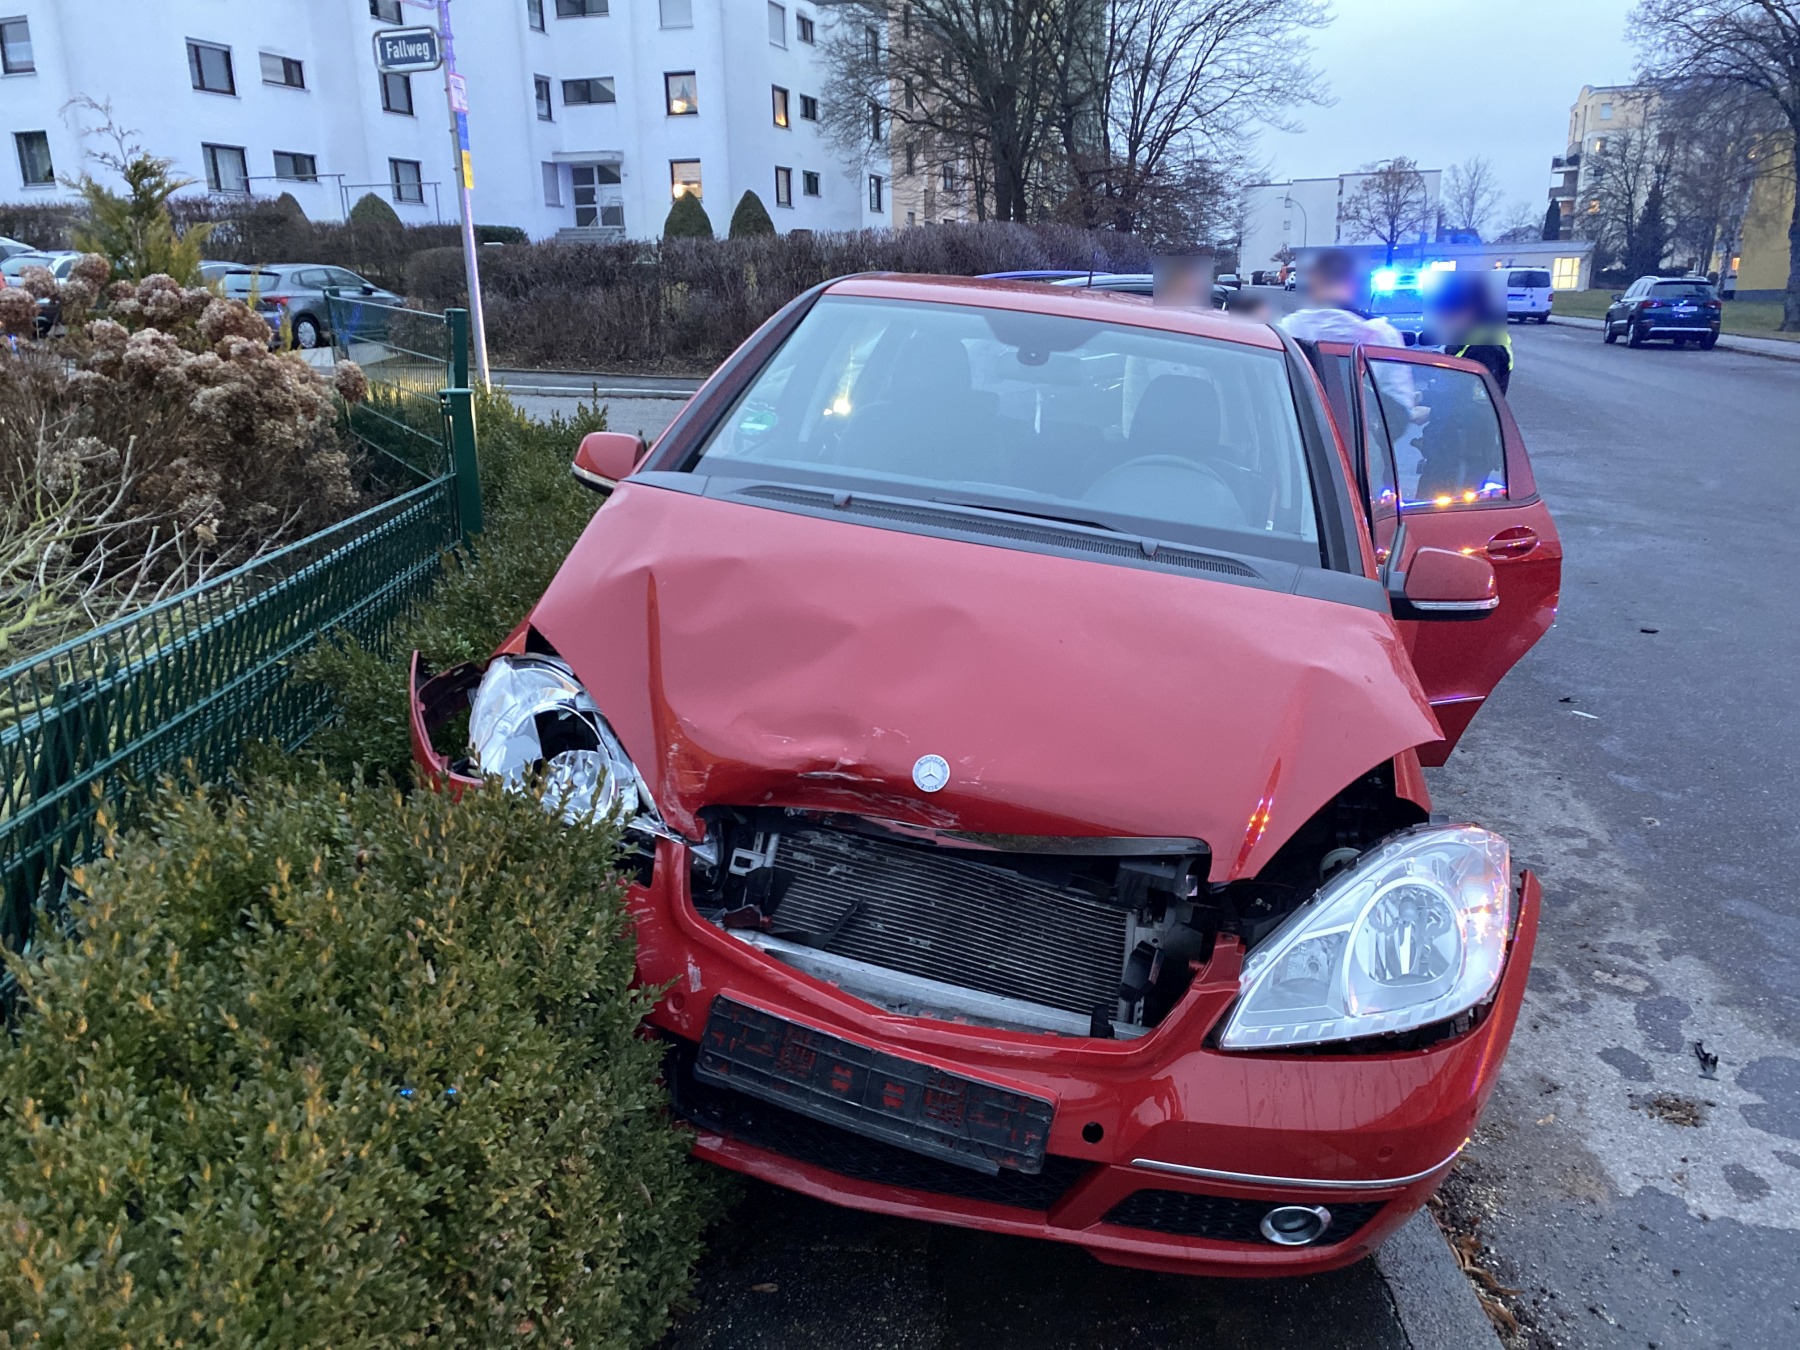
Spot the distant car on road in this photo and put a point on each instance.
(296, 293)
(1231, 281)
(1528, 294)
(1680, 309)
(58, 264)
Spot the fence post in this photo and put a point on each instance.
(459, 427)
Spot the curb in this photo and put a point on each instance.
(1436, 1304)
(1768, 348)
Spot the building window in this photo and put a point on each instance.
(778, 24)
(388, 11)
(809, 108)
(681, 98)
(552, 183)
(1593, 206)
(534, 15)
(296, 167)
(1599, 145)
(908, 86)
(408, 181)
(809, 183)
(784, 186)
(677, 13)
(226, 169)
(872, 43)
(949, 176)
(15, 47)
(779, 98)
(912, 159)
(684, 178)
(874, 122)
(396, 94)
(540, 85)
(577, 92)
(283, 70)
(580, 9)
(209, 66)
(1606, 112)
(875, 186)
(1565, 274)
(803, 28)
(34, 158)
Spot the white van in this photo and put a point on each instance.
(1528, 294)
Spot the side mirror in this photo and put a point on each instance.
(368, 290)
(1440, 583)
(1618, 295)
(604, 457)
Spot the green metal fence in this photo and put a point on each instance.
(201, 675)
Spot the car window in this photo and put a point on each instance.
(1677, 290)
(1165, 434)
(242, 283)
(1452, 451)
(311, 278)
(1378, 455)
(20, 261)
(343, 277)
(1529, 280)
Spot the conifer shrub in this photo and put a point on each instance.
(357, 1069)
(687, 219)
(751, 218)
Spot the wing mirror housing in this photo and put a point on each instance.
(1440, 584)
(604, 457)
(1618, 295)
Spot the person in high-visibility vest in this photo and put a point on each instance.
(1465, 317)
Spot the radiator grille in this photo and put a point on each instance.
(936, 914)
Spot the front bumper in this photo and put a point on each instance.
(1163, 1153)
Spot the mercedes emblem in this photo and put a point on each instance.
(931, 773)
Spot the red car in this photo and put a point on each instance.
(1020, 697)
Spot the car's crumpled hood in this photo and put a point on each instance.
(749, 656)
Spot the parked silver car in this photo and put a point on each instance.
(295, 294)
(58, 264)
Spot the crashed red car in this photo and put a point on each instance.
(1019, 697)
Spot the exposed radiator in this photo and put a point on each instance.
(943, 916)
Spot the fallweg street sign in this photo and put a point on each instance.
(407, 51)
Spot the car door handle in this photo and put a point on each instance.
(1513, 543)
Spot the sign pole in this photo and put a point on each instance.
(456, 94)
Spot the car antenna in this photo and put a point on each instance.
(1093, 261)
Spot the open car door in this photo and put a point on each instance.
(1435, 442)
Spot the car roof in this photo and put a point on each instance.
(1070, 302)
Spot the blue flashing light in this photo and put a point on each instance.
(1384, 281)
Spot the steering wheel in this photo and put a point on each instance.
(1167, 462)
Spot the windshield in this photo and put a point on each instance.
(16, 264)
(1538, 280)
(1161, 434)
(1697, 290)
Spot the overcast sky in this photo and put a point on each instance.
(1440, 80)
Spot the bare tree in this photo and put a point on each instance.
(1752, 45)
(1471, 195)
(1627, 195)
(1392, 203)
(1519, 223)
(1721, 133)
(1155, 98)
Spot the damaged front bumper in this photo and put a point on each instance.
(1161, 1152)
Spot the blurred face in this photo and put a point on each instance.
(1330, 290)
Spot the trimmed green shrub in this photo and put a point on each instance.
(374, 211)
(687, 219)
(534, 512)
(287, 204)
(751, 218)
(359, 1070)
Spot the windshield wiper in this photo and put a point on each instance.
(1034, 515)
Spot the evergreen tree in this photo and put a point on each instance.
(374, 211)
(133, 230)
(1553, 221)
(750, 218)
(687, 219)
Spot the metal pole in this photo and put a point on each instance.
(455, 96)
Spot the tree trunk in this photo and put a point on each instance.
(1790, 308)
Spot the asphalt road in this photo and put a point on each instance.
(1643, 760)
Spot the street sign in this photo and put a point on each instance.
(407, 51)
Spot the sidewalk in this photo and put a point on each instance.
(1776, 348)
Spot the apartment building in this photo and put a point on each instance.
(1306, 213)
(1599, 113)
(586, 117)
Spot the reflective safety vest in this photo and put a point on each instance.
(1494, 335)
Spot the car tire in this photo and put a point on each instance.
(308, 332)
(1708, 342)
(1543, 318)
(1634, 335)
(1608, 333)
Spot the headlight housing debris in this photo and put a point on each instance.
(1415, 933)
(530, 719)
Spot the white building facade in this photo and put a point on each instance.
(1307, 213)
(585, 116)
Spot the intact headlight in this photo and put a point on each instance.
(530, 717)
(1415, 933)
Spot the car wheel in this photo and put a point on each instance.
(1634, 335)
(1608, 332)
(307, 333)
(1543, 318)
(1708, 342)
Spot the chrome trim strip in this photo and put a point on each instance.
(1458, 606)
(1308, 1183)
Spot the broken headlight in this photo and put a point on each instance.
(1414, 933)
(530, 719)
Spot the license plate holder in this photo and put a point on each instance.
(916, 1106)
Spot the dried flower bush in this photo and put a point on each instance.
(186, 445)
